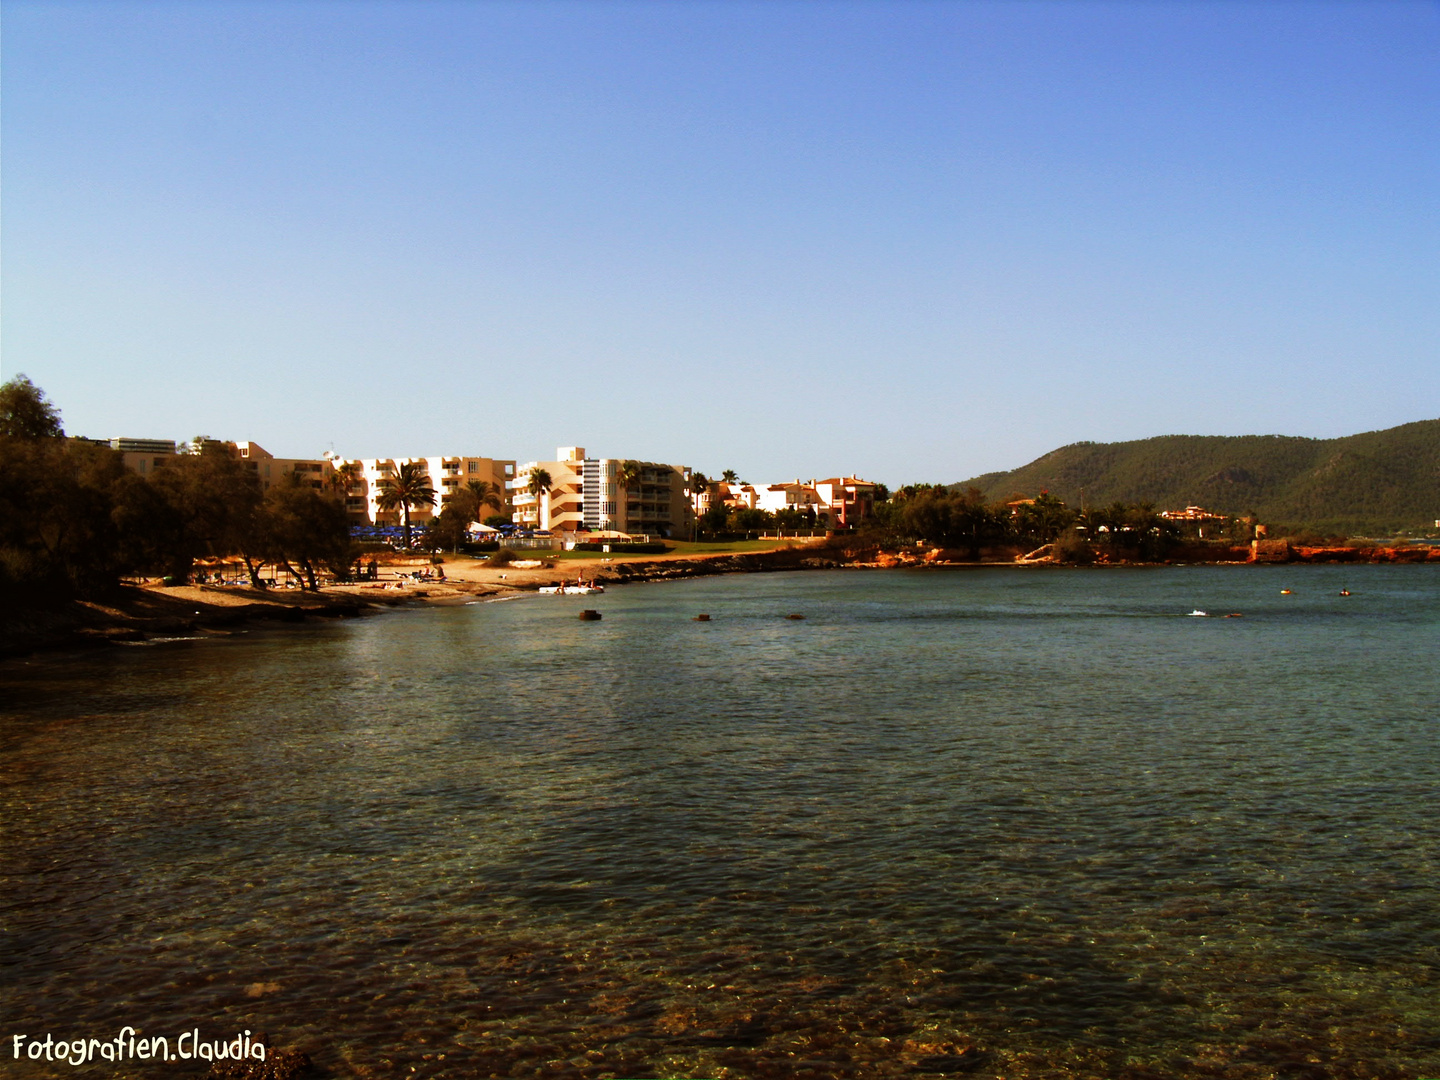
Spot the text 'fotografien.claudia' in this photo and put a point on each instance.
(130, 1045)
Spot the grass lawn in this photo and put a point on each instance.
(730, 547)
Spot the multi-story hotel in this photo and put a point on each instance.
(586, 494)
(145, 456)
(313, 472)
(448, 476)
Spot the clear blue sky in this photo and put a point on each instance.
(916, 241)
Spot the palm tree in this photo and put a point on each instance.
(540, 484)
(627, 475)
(409, 487)
(485, 494)
(729, 476)
(699, 485)
(344, 476)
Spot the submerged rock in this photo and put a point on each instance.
(278, 1065)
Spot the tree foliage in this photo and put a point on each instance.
(305, 531)
(539, 486)
(1376, 482)
(74, 520)
(952, 519)
(477, 495)
(409, 487)
(25, 413)
(57, 532)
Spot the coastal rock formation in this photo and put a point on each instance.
(1270, 551)
(1282, 551)
(134, 614)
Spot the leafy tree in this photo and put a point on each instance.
(305, 530)
(449, 529)
(794, 518)
(213, 505)
(750, 520)
(409, 487)
(716, 518)
(911, 491)
(25, 413)
(147, 525)
(57, 536)
(1072, 546)
(1041, 521)
(1118, 531)
(952, 518)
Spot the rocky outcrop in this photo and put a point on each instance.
(1408, 554)
(134, 614)
(1271, 551)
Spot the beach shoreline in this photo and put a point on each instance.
(136, 613)
(140, 613)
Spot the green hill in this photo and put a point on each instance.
(1380, 482)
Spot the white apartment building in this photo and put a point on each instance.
(586, 495)
(561, 507)
(773, 498)
(448, 476)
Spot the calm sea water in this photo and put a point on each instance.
(1006, 823)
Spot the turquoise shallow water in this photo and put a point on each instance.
(1005, 823)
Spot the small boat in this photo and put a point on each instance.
(571, 590)
(1344, 592)
(1197, 611)
(1285, 592)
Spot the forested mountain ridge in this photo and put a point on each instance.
(1376, 482)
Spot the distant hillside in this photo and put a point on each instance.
(1379, 482)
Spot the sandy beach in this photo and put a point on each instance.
(140, 612)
